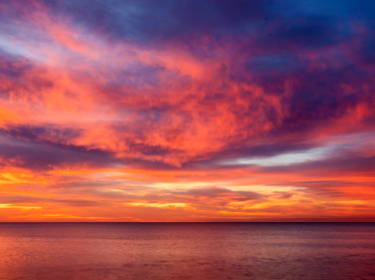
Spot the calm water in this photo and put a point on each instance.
(187, 251)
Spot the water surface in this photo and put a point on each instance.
(187, 251)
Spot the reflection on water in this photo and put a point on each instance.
(187, 251)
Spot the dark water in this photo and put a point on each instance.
(187, 251)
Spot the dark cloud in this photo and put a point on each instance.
(145, 20)
(45, 156)
(21, 78)
(13, 67)
(23, 199)
(42, 134)
(302, 33)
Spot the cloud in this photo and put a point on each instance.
(48, 155)
(233, 99)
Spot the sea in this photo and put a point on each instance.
(263, 251)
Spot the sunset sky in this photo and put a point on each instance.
(144, 110)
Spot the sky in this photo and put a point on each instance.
(162, 111)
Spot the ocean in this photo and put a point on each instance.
(261, 251)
